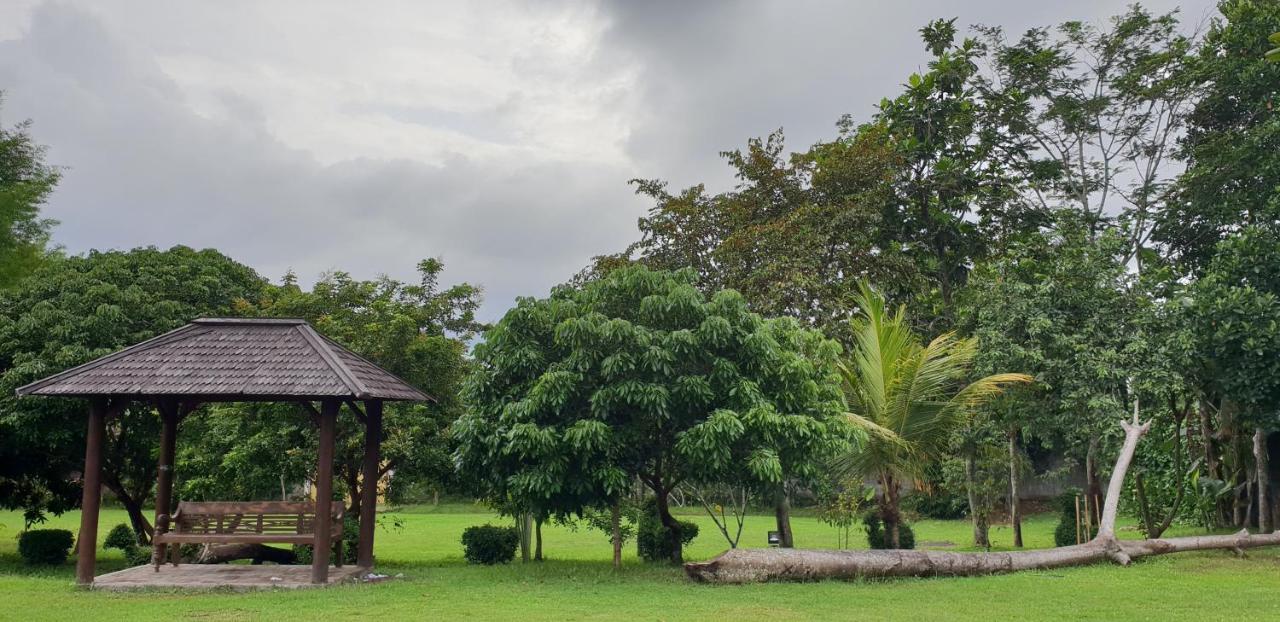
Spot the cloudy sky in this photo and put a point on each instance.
(498, 136)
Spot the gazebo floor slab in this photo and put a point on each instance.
(222, 576)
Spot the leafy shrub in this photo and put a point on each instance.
(45, 546)
(490, 544)
(1065, 533)
(940, 504)
(121, 537)
(878, 536)
(350, 540)
(652, 538)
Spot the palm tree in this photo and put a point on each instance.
(909, 398)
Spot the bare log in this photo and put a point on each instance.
(223, 553)
(757, 565)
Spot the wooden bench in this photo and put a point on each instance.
(248, 522)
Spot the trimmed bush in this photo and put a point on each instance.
(121, 537)
(350, 539)
(653, 542)
(45, 546)
(878, 536)
(490, 544)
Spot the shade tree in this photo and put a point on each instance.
(639, 375)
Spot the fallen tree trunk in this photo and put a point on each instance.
(223, 553)
(757, 565)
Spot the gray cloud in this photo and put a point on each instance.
(497, 137)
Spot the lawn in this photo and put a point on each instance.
(577, 583)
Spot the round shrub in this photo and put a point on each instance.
(45, 546)
(490, 544)
(878, 536)
(121, 537)
(653, 541)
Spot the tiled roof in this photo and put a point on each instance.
(228, 359)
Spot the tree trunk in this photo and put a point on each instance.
(889, 512)
(673, 527)
(1015, 516)
(223, 553)
(758, 565)
(1261, 459)
(981, 527)
(525, 527)
(132, 506)
(537, 532)
(752, 565)
(782, 517)
(615, 521)
(1093, 489)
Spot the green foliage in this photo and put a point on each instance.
(490, 544)
(878, 535)
(654, 540)
(25, 183)
(77, 309)
(1065, 532)
(1233, 165)
(45, 546)
(121, 537)
(415, 330)
(842, 504)
(909, 398)
(350, 544)
(1237, 310)
(639, 375)
(792, 237)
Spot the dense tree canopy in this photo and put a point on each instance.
(71, 311)
(638, 374)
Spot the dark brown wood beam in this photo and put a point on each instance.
(369, 476)
(87, 549)
(324, 493)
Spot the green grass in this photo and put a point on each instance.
(578, 583)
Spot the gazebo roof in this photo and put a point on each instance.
(231, 359)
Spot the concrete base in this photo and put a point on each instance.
(222, 576)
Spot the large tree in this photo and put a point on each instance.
(1232, 142)
(639, 375)
(417, 331)
(26, 181)
(76, 309)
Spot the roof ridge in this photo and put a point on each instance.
(377, 366)
(158, 340)
(317, 342)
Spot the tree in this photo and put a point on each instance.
(908, 397)
(639, 375)
(1233, 165)
(1238, 314)
(1097, 112)
(1064, 317)
(25, 184)
(77, 309)
(417, 331)
(794, 234)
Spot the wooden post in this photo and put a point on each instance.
(369, 481)
(324, 494)
(87, 549)
(164, 480)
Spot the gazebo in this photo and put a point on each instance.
(232, 360)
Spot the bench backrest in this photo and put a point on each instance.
(245, 517)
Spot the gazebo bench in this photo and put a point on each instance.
(243, 522)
